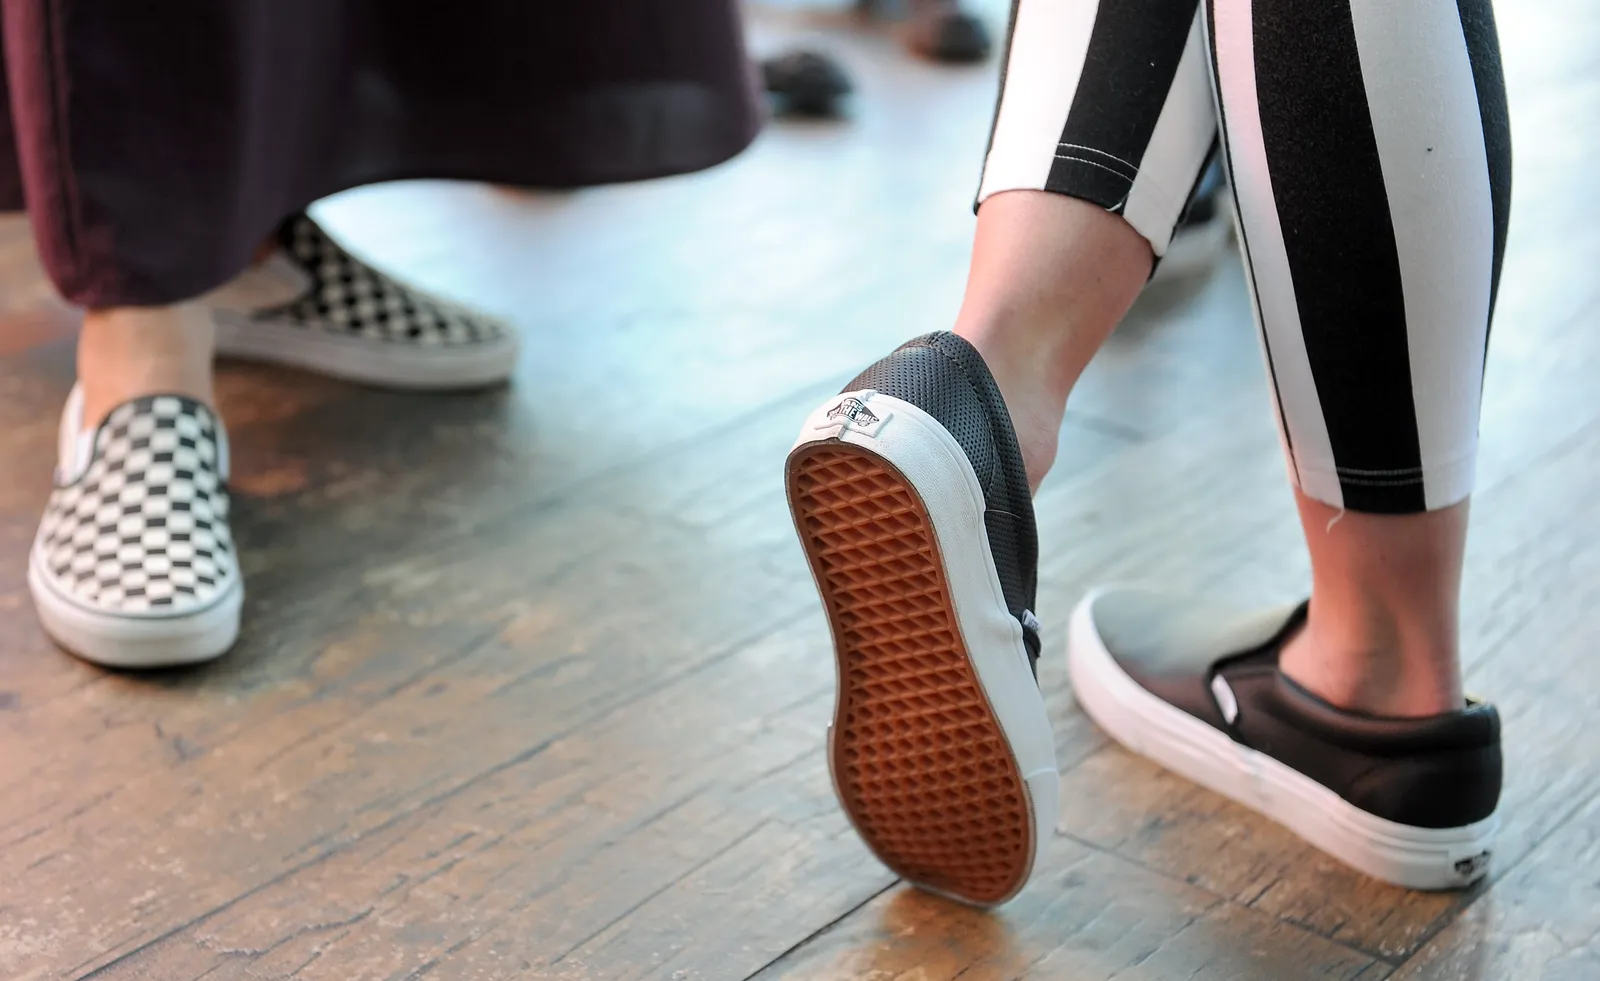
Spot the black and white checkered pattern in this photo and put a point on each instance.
(349, 297)
(143, 530)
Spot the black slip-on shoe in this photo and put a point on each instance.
(1197, 689)
(911, 501)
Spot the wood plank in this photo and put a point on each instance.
(318, 752)
(1540, 923)
(326, 674)
(588, 851)
(534, 681)
(1090, 916)
(415, 580)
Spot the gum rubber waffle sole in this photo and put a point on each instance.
(919, 759)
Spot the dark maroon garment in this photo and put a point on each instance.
(156, 143)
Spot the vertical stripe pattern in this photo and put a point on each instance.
(1178, 146)
(1208, 16)
(1305, 433)
(1423, 105)
(1483, 50)
(1049, 41)
(1327, 184)
(1369, 151)
(1105, 100)
(1128, 69)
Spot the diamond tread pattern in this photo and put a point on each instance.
(918, 756)
(944, 376)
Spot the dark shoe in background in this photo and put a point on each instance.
(805, 83)
(941, 31)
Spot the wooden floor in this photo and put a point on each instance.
(534, 683)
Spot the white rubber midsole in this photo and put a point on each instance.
(922, 450)
(132, 641)
(1418, 858)
(390, 364)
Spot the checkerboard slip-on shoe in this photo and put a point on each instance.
(312, 305)
(134, 564)
(912, 504)
(1197, 689)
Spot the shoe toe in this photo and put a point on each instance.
(1141, 627)
(1169, 645)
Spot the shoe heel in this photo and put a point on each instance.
(920, 761)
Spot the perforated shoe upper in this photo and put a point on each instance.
(945, 376)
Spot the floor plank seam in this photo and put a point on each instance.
(1105, 427)
(658, 892)
(514, 761)
(1500, 876)
(544, 889)
(1229, 900)
(582, 487)
(78, 811)
(124, 957)
(464, 651)
(820, 931)
(1572, 442)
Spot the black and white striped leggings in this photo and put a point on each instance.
(1370, 154)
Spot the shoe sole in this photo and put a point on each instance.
(137, 642)
(1416, 858)
(940, 748)
(365, 361)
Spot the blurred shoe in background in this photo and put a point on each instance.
(805, 83)
(939, 30)
(312, 305)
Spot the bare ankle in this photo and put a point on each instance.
(1383, 633)
(127, 352)
(1050, 278)
(1375, 667)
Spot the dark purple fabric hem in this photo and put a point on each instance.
(155, 145)
(700, 130)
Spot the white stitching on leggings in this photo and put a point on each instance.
(1079, 146)
(1068, 156)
